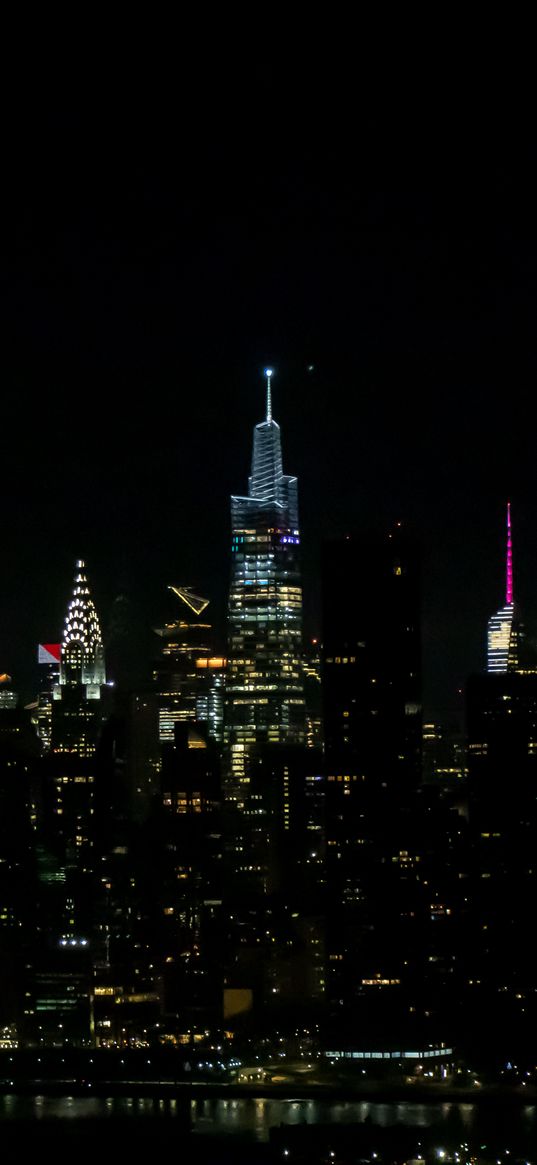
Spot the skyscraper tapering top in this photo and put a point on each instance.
(79, 708)
(502, 653)
(267, 484)
(264, 689)
(82, 660)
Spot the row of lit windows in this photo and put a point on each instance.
(267, 530)
(346, 778)
(75, 780)
(342, 659)
(380, 982)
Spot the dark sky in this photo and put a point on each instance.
(158, 254)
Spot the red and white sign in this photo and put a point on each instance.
(49, 652)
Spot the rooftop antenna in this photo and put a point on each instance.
(269, 372)
(509, 578)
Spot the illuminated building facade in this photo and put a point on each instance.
(502, 637)
(264, 702)
(189, 676)
(82, 657)
(8, 698)
(313, 692)
(49, 657)
(79, 708)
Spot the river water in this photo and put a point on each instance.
(255, 1118)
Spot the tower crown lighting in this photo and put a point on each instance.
(269, 373)
(502, 634)
(82, 658)
(509, 572)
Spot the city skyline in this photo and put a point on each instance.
(148, 599)
(268, 631)
(394, 342)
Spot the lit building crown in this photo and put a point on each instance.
(82, 659)
(269, 488)
(501, 631)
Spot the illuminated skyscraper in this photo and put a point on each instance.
(264, 688)
(82, 658)
(78, 712)
(502, 636)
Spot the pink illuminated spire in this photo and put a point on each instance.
(509, 579)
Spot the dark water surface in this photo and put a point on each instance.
(254, 1118)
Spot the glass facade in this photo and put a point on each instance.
(500, 639)
(264, 700)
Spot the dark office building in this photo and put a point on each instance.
(285, 808)
(186, 871)
(19, 760)
(502, 784)
(59, 995)
(372, 660)
(501, 723)
(372, 727)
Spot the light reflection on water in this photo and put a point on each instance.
(253, 1117)
(258, 1116)
(83, 1107)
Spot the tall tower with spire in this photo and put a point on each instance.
(264, 688)
(502, 637)
(79, 709)
(82, 658)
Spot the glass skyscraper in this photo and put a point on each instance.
(264, 701)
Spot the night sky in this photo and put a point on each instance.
(157, 256)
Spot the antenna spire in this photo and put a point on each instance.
(269, 372)
(509, 576)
